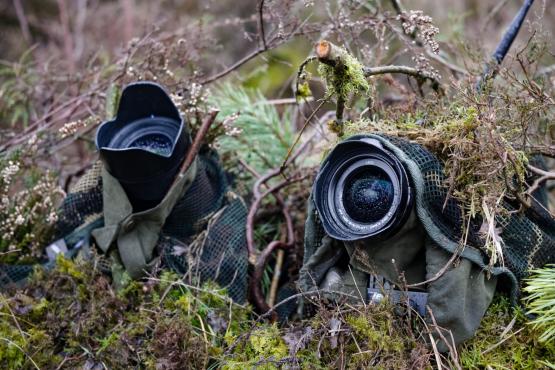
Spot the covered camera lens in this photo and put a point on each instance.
(362, 191)
(368, 194)
(145, 144)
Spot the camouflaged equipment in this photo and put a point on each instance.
(425, 244)
(203, 235)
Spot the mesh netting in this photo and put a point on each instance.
(204, 197)
(12, 274)
(83, 203)
(529, 238)
(207, 222)
(218, 253)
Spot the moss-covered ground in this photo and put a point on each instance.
(70, 317)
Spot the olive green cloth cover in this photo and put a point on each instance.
(458, 294)
(457, 299)
(135, 235)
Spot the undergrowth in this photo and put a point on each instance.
(505, 340)
(71, 317)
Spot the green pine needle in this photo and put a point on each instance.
(541, 301)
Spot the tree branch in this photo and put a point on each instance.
(195, 146)
(331, 54)
(261, 34)
(543, 177)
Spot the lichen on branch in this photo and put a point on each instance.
(342, 72)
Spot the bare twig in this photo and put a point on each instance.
(504, 45)
(68, 42)
(22, 19)
(195, 146)
(494, 11)
(371, 71)
(275, 279)
(261, 33)
(397, 5)
(300, 71)
(299, 134)
(437, 57)
(260, 259)
(543, 176)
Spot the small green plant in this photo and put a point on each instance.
(17, 80)
(505, 340)
(541, 301)
(28, 200)
(254, 131)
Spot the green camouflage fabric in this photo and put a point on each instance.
(423, 247)
(197, 230)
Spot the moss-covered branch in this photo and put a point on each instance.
(334, 55)
(344, 75)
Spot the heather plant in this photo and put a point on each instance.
(29, 198)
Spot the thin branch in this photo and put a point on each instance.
(261, 33)
(234, 66)
(260, 259)
(331, 54)
(397, 5)
(372, 71)
(543, 176)
(22, 19)
(195, 146)
(287, 158)
(300, 71)
(275, 279)
(490, 70)
(265, 46)
(438, 58)
(494, 11)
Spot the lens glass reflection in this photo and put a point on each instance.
(155, 143)
(368, 195)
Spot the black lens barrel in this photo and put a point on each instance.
(145, 144)
(362, 191)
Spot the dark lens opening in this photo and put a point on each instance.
(368, 195)
(154, 143)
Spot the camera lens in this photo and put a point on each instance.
(154, 143)
(362, 190)
(145, 144)
(368, 195)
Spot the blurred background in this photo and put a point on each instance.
(216, 33)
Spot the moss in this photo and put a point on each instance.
(344, 78)
(519, 348)
(264, 349)
(73, 312)
(304, 91)
(66, 266)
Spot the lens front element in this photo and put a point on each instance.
(368, 195)
(362, 190)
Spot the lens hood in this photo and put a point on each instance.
(144, 145)
(362, 191)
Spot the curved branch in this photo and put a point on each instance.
(372, 71)
(543, 177)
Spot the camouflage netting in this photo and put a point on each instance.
(529, 238)
(204, 236)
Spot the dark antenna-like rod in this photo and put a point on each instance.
(505, 44)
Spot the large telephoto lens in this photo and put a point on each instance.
(362, 191)
(145, 144)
